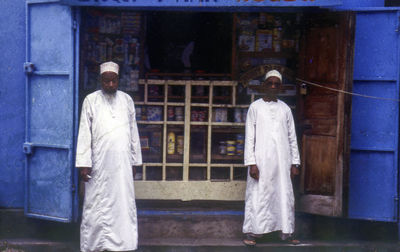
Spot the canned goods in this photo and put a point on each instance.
(222, 148)
(277, 33)
(138, 113)
(144, 114)
(276, 44)
(244, 114)
(179, 113)
(231, 147)
(171, 113)
(201, 116)
(238, 115)
(154, 113)
(239, 144)
(195, 115)
(179, 144)
(221, 115)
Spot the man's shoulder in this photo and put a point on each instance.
(93, 95)
(254, 103)
(284, 105)
(124, 95)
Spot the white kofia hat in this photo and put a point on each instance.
(109, 67)
(273, 73)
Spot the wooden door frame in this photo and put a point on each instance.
(334, 205)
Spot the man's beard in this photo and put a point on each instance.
(110, 90)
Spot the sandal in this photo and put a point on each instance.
(249, 240)
(292, 241)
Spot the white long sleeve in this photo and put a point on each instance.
(249, 149)
(294, 150)
(136, 151)
(84, 145)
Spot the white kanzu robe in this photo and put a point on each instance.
(108, 142)
(271, 144)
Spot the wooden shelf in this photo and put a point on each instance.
(270, 54)
(205, 123)
(200, 97)
(149, 103)
(150, 122)
(226, 157)
(205, 104)
(241, 124)
(175, 97)
(190, 75)
(229, 106)
(156, 97)
(175, 122)
(151, 157)
(175, 156)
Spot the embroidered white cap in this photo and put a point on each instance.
(109, 67)
(273, 73)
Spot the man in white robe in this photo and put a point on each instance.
(108, 149)
(272, 155)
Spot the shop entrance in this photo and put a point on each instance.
(190, 109)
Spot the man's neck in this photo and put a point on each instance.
(267, 98)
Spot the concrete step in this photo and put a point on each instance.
(206, 245)
(201, 230)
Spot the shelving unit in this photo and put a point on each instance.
(200, 165)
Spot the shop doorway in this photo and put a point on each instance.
(201, 110)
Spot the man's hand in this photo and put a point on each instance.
(254, 172)
(85, 173)
(134, 171)
(294, 171)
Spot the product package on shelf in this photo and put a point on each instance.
(264, 40)
(276, 38)
(111, 36)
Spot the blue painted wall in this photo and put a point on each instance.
(363, 3)
(12, 103)
(374, 131)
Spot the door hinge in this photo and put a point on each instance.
(74, 25)
(398, 24)
(73, 188)
(27, 147)
(29, 67)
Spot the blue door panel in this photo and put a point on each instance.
(375, 55)
(50, 28)
(372, 194)
(52, 107)
(374, 121)
(51, 87)
(47, 184)
(375, 125)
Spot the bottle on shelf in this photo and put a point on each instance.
(171, 143)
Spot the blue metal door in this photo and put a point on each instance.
(374, 141)
(50, 111)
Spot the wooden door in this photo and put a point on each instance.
(326, 59)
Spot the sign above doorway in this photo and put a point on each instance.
(204, 3)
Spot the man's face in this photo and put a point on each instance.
(272, 86)
(109, 82)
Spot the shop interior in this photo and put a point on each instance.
(192, 76)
